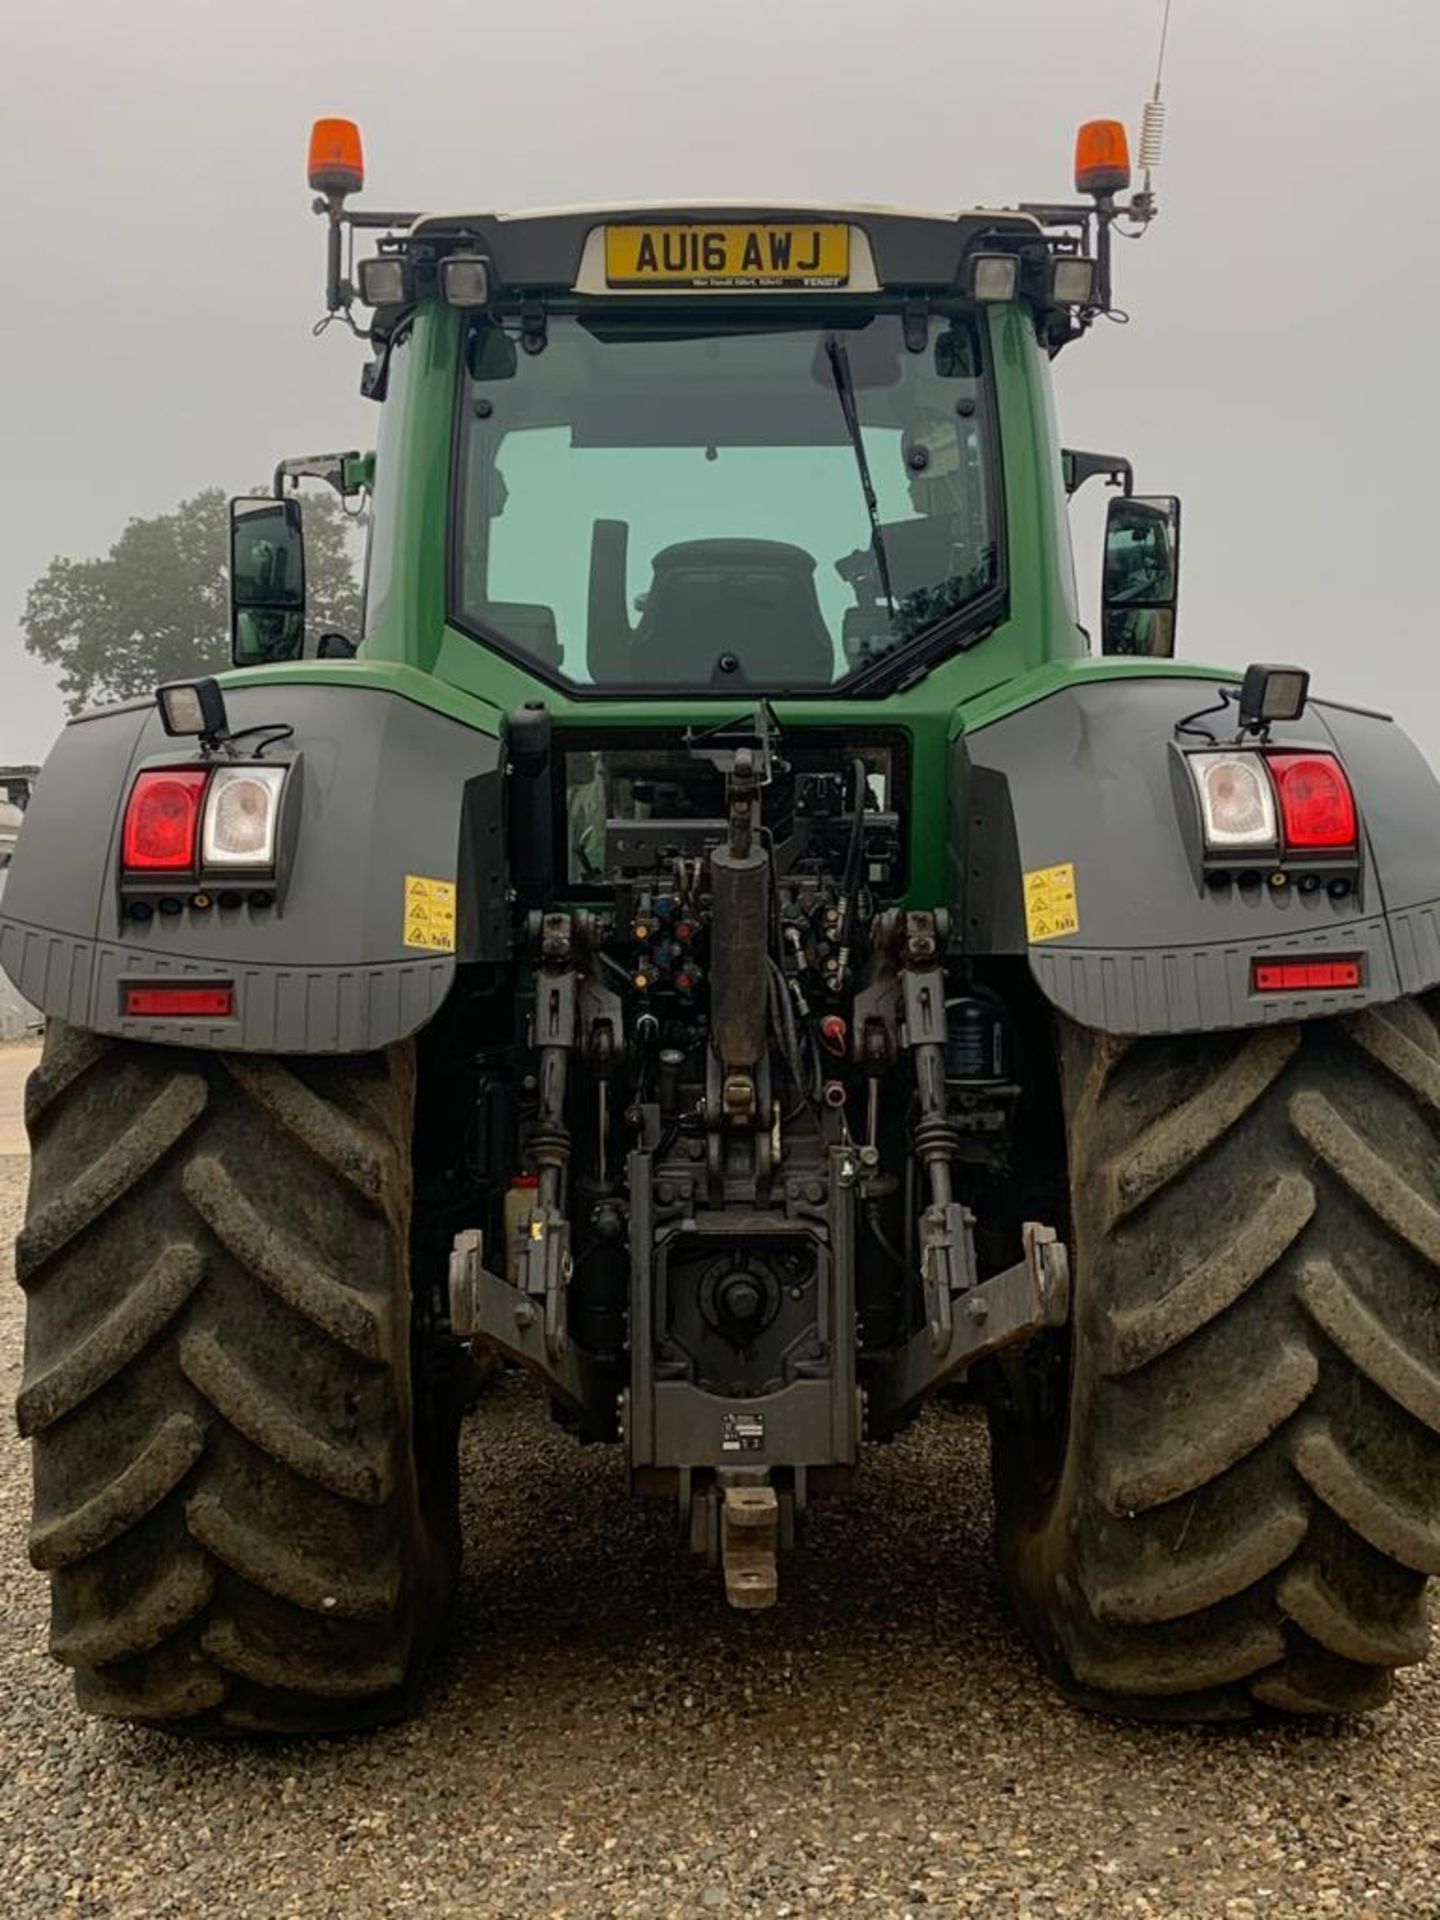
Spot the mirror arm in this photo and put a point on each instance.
(329, 467)
(1080, 467)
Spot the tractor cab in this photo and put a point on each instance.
(714, 450)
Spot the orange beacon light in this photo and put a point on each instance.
(1102, 158)
(336, 164)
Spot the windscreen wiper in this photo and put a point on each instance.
(838, 355)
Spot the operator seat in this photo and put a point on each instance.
(754, 600)
(526, 625)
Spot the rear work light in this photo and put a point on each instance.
(465, 280)
(162, 820)
(384, 281)
(1316, 805)
(993, 276)
(1303, 976)
(196, 1003)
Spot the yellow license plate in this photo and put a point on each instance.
(766, 254)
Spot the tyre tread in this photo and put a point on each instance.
(283, 1263)
(115, 1341)
(229, 1492)
(1245, 1510)
(126, 1497)
(81, 1201)
(265, 1418)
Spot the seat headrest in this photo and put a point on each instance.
(733, 556)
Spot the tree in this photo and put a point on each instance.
(157, 606)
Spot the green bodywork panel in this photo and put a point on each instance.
(414, 653)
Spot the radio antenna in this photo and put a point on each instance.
(1152, 131)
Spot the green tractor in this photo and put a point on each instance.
(725, 940)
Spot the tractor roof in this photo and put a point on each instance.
(1059, 255)
(563, 246)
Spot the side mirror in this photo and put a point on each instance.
(267, 581)
(1142, 576)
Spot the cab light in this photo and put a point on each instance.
(162, 820)
(385, 281)
(1237, 803)
(1316, 804)
(465, 280)
(1303, 976)
(207, 1003)
(993, 276)
(241, 812)
(1072, 281)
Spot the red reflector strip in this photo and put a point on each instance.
(1303, 976)
(211, 1003)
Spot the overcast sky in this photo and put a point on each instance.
(163, 270)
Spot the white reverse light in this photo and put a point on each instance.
(1237, 802)
(241, 812)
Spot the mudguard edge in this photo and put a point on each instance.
(1083, 778)
(389, 789)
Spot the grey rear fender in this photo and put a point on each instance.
(383, 792)
(1085, 779)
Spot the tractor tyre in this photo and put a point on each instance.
(244, 1456)
(1218, 1491)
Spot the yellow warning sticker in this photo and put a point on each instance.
(1051, 906)
(429, 914)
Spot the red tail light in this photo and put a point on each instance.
(162, 820)
(1303, 976)
(1316, 805)
(215, 1003)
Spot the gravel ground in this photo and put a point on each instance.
(604, 1739)
(16, 1060)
